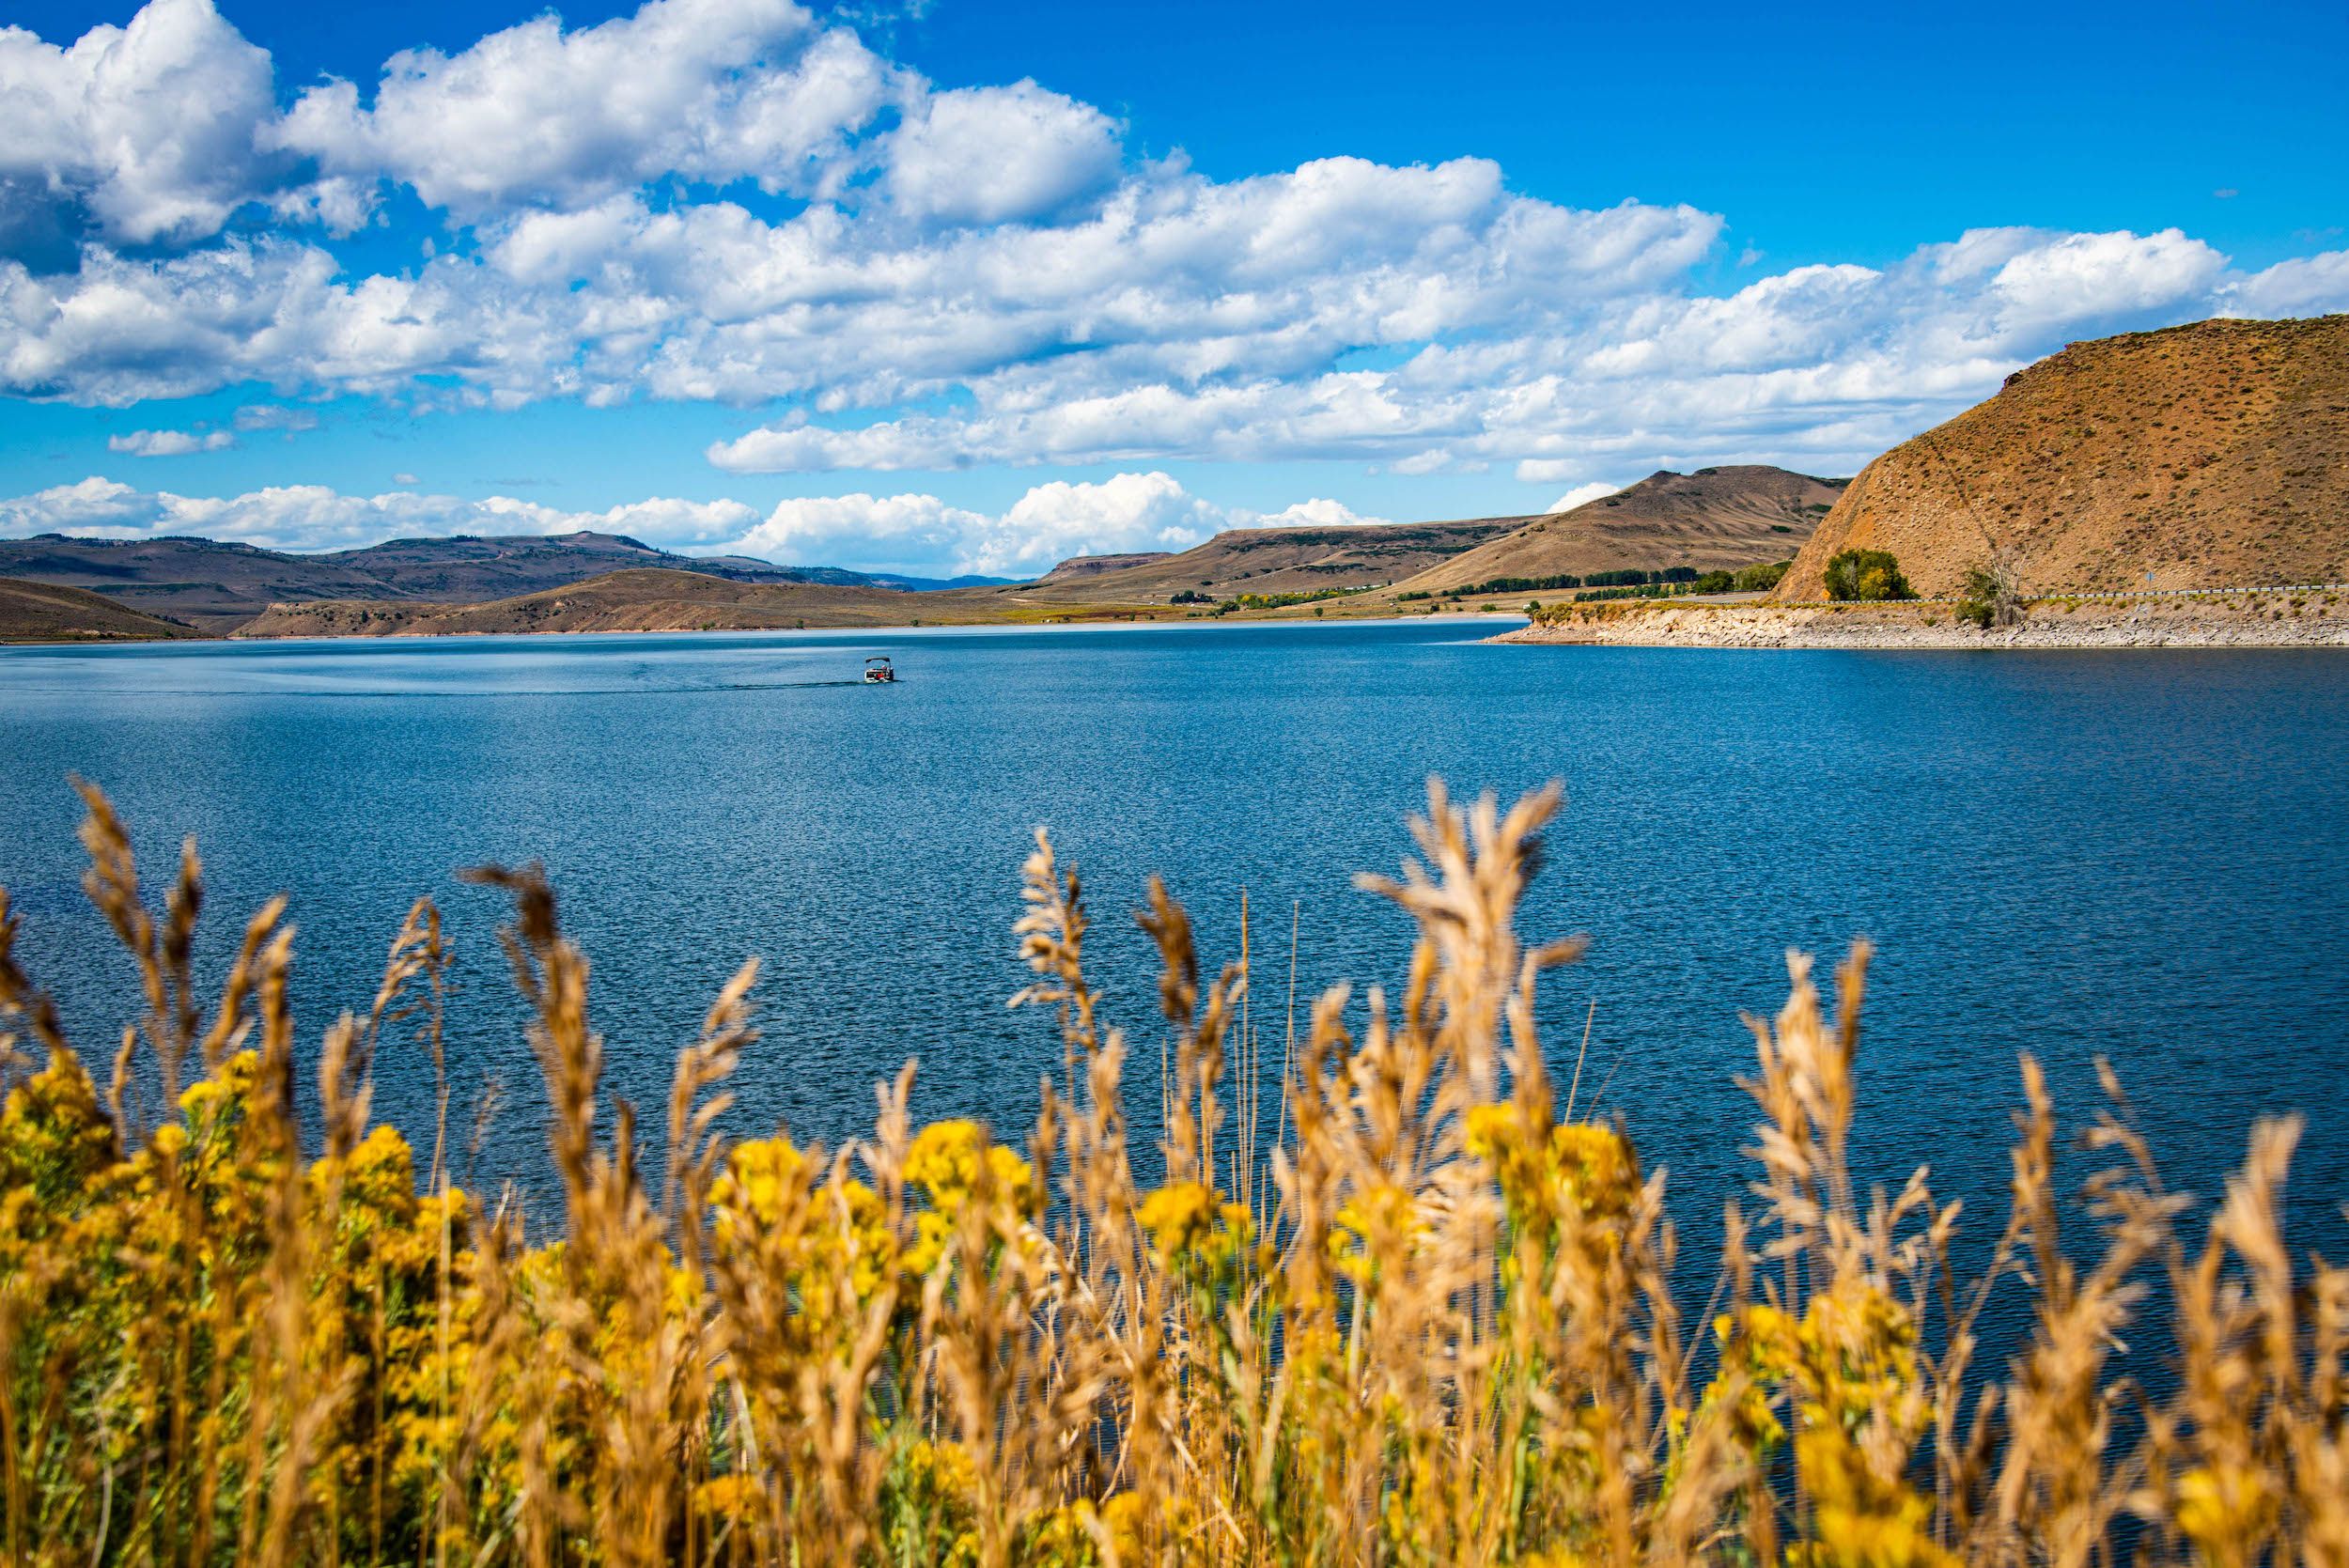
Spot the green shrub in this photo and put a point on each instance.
(1761, 579)
(1981, 600)
(1991, 595)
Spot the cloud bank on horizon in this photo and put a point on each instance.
(742, 203)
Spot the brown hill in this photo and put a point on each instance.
(1265, 561)
(2215, 455)
(468, 568)
(642, 599)
(45, 612)
(1715, 517)
(208, 584)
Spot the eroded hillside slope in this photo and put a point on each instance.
(2215, 455)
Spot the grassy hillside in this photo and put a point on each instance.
(643, 599)
(1715, 517)
(1418, 1304)
(2215, 455)
(44, 612)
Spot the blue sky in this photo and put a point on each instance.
(974, 286)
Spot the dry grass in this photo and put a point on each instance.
(1414, 1311)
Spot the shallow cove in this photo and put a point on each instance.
(2133, 854)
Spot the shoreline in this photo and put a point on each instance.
(2311, 618)
(1472, 622)
(2257, 618)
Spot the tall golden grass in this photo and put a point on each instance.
(1412, 1310)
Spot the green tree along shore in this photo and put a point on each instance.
(1627, 582)
(1419, 1309)
(1866, 575)
(1281, 601)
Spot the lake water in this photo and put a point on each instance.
(2139, 855)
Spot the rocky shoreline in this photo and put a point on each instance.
(2314, 618)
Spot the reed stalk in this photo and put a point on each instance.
(1418, 1314)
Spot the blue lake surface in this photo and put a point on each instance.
(2136, 855)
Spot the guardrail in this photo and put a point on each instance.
(2043, 597)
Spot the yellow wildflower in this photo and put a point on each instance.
(1178, 1216)
(947, 1160)
(2225, 1509)
(1860, 1519)
(1544, 1170)
(1373, 1226)
(729, 1496)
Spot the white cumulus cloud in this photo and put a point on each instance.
(2306, 286)
(709, 90)
(144, 132)
(1319, 512)
(1049, 524)
(743, 202)
(992, 155)
(1582, 495)
(170, 444)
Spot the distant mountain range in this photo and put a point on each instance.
(215, 586)
(602, 581)
(1252, 560)
(637, 599)
(1718, 517)
(2210, 456)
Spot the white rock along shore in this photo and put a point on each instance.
(2313, 618)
